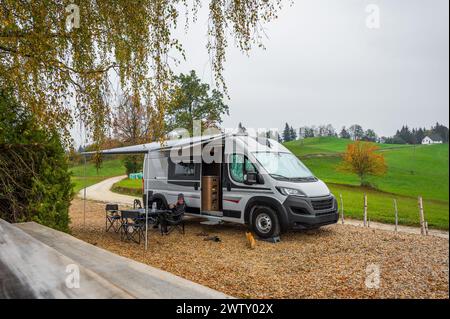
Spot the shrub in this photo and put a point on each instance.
(133, 163)
(34, 177)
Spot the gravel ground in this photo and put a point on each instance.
(327, 263)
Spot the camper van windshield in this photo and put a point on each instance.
(283, 166)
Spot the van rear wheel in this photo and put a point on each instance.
(265, 222)
(159, 203)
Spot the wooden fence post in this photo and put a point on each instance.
(422, 217)
(365, 210)
(342, 209)
(396, 215)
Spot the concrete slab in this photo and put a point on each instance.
(31, 269)
(137, 279)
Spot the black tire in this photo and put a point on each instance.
(265, 222)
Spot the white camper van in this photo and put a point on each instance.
(236, 178)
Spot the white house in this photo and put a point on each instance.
(432, 140)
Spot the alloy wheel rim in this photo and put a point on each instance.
(264, 223)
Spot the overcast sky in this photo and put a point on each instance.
(324, 65)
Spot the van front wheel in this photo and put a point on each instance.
(265, 222)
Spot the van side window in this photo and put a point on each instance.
(184, 169)
(239, 165)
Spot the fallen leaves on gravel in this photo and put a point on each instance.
(327, 263)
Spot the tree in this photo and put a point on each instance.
(329, 130)
(287, 133)
(370, 136)
(274, 135)
(130, 126)
(362, 159)
(442, 131)
(34, 172)
(394, 140)
(75, 158)
(49, 59)
(420, 135)
(278, 136)
(241, 128)
(309, 132)
(356, 132)
(321, 130)
(130, 121)
(293, 134)
(406, 135)
(192, 100)
(133, 163)
(344, 133)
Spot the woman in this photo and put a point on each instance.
(176, 214)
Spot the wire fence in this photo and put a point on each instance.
(366, 218)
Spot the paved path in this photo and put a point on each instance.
(101, 192)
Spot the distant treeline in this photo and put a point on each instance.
(405, 135)
(415, 136)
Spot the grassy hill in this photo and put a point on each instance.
(112, 167)
(316, 146)
(412, 171)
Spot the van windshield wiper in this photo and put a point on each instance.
(309, 178)
(280, 176)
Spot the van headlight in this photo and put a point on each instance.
(290, 191)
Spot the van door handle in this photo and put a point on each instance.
(229, 187)
(196, 186)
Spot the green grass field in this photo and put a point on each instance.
(326, 146)
(113, 167)
(128, 186)
(412, 171)
(381, 206)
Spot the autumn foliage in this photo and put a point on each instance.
(362, 159)
(62, 71)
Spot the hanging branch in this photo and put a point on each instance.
(49, 63)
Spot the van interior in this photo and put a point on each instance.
(211, 188)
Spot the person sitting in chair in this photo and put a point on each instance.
(179, 206)
(177, 210)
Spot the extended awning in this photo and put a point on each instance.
(156, 146)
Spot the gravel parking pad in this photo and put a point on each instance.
(333, 262)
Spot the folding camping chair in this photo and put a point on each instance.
(137, 204)
(133, 226)
(171, 220)
(112, 217)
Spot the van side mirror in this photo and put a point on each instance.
(251, 178)
(260, 179)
